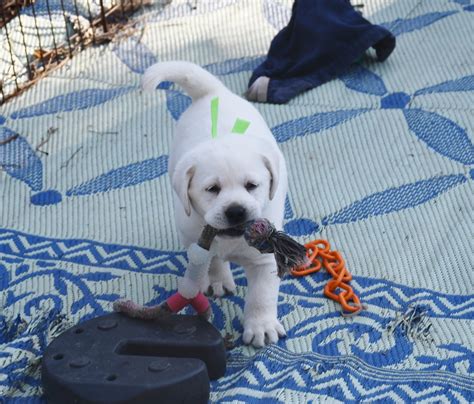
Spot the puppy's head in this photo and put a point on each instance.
(227, 182)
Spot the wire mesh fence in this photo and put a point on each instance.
(39, 35)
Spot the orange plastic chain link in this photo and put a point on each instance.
(320, 255)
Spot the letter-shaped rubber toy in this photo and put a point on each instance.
(117, 359)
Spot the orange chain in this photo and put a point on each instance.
(320, 255)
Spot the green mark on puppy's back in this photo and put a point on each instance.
(214, 113)
(240, 126)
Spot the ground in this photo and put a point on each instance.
(380, 161)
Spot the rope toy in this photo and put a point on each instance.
(320, 255)
(291, 257)
(259, 233)
(263, 236)
(188, 286)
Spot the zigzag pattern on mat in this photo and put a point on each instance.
(376, 292)
(91, 253)
(384, 294)
(47, 256)
(348, 378)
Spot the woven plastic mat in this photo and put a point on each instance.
(381, 163)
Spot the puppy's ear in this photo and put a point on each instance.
(182, 176)
(273, 168)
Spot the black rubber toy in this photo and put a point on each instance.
(116, 359)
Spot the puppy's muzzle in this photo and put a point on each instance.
(236, 214)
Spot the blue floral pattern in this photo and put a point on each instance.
(51, 279)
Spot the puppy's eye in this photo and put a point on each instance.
(215, 189)
(250, 186)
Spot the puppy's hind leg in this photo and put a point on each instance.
(221, 280)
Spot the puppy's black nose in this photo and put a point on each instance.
(235, 214)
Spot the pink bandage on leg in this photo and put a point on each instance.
(177, 302)
(200, 303)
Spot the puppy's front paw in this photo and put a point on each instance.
(259, 331)
(221, 282)
(219, 289)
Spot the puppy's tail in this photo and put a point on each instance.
(196, 81)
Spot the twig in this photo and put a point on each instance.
(98, 132)
(229, 341)
(9, 139)
(10, 9)
(49, 133)
(65, 164)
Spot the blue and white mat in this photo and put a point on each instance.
(381, 164)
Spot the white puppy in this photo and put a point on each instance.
(226, 180)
